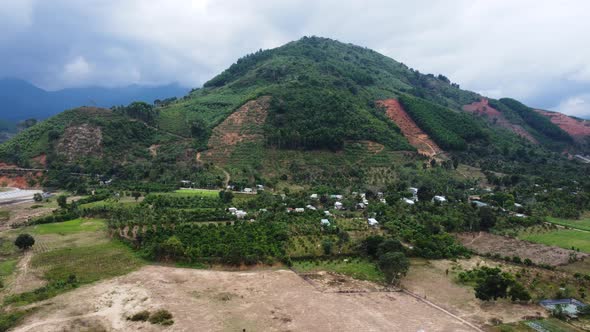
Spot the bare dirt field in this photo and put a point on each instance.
(416, 136)
(263, 300)
(429, 279)
(20, 213)
(486, 243)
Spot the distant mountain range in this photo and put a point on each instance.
(20, 100)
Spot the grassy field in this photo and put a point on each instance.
(70, 227)
(89, 263)
(561, 238)
(4, 215)
(7, 267)
(583, 224)
(356, 268)
(196, 192)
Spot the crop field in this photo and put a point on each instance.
(583, 224)
(196, 192)
(69, 227)
(566, 239)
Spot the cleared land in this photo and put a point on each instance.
(429, 279)
(541, 252)
(266, 300)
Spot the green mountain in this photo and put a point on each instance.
(312, 111)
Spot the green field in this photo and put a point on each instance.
(7, 267)
(549, 325)
(583, 224)
(70, 227)
(196, 192)
(4, 215)
(356, 268)
(561, 238)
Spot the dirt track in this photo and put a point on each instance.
(268, 300)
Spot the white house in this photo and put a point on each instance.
(338, 206)
(372, 222)
(325, 222)
(299, 210)
(408, 201)
(310, 207)
(439, 199)
(313, 196)
(232, 210)
(336, 196)
(327, 213)
(247, 190)
(259, 187)
(240, 214)
(361, 206)
(479, 204)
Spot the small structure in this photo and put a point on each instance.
(408, 201)
(310, 207)
(299, 210)
(372, 222)
(325, 222)
(185, 183)
(570, 307)
(313, 196)
(232, 210)
(479, 204)
(327, 213)
(338, 206)
(379, 194)
(439, 199)
(240, 214)
(259, 187)
(516, 205)
(336, 196)
(248, 190)
(360, 206)
(520, 215)
(413, 190)
(383, 200)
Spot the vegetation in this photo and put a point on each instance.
(492, 283)
(566, 239)
(24, 241)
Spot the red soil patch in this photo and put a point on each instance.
(245, 125)
(41, 160)
(417, 138)
(483, 109)
(19, 181)
(576, 128)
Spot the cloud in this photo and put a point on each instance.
(77, 70)
(523, 49)
(576, 105)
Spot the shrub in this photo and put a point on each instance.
(162, 317)
(141, 316)
(24, 241)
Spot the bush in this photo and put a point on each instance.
(162, 317)
(24, 241)
(141, 316)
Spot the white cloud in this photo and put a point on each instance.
(518, 48)
(577, 106)
(77, 70)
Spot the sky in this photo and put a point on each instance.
(536, 51)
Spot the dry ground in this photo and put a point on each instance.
(430, 280)
(265, 300)
(486, 243)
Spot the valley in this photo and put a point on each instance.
(317, 186)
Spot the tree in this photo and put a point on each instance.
(38, 197)
(226, 196)
(425, 193)
(24, 241)
(394, 266)
(62, 201)
(136, 195)
(371, 244)
(327, 246)
(518, 292)
(390, 245)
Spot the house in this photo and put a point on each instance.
(327, 213)
(471, 198)
(313, 196)
(413, 190)
(310, 207)
(382, 200)
(240, 214)
(408, 201)
(232, 210)
(186, 183)
(338, 206)
(336, 196)
(479, 204)
(325, 222)
(439, 199)
(259, 187)
(519, 215)
(570, 307)
(372, 222)
(248, 190)
(516, 205)
(379, 194)
(230, 187)
(361, 206)
(299, 210)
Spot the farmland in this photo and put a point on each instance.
(567, 239)
(582, 224)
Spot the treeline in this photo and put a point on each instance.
(237, 69)
(449, 129)
(181, 202)
(243, 242)
(139, 110)
(537, 121)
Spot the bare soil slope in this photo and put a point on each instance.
(483, 109)
(265, 300)
(578, 129)
(416, 136)
(245, 125)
